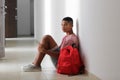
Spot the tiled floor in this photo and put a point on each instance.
(21, 52)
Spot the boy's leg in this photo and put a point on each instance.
(47, 43)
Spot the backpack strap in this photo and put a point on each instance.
(74, 45)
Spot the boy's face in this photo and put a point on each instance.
(66, 26)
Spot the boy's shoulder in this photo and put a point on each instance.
(74, 36)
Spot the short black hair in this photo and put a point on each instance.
(69, 19)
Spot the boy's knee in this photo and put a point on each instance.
(47, 36)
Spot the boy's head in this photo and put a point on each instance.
(68, 19)
(67, 24)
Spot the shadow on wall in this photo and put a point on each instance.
(83, 57)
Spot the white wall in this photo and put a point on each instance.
(72, 10)
(99, 22)
(23, 24)
(55, 16)
(39, 18)
(98, 31)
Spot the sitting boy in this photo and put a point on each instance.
(50, 47)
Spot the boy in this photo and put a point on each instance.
(50, 47)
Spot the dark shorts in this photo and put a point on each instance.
(54, 60)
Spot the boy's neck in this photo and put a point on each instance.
(69, 33)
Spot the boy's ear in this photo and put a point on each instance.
(72, 25)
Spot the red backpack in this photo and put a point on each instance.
(69, 61)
